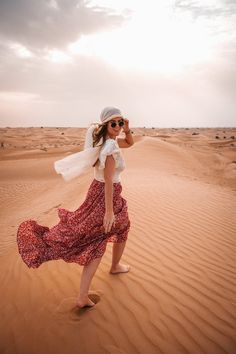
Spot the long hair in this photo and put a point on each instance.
(99, 133)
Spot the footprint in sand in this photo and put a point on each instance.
(68, 308)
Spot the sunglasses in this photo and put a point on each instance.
(114, 124)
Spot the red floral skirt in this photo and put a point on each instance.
(79, 236)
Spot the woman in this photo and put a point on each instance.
(81, 236)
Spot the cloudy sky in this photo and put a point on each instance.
(164, 63)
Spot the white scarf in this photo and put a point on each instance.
(79, 163)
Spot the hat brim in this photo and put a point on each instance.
(110, 118)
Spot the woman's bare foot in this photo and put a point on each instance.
(85, 301)
(120, 268)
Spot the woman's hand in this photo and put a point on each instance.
(126, 125)
(108, 221)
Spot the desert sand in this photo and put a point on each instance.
(180, 294)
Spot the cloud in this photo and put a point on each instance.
(52, 23)
(207, 8)
(73, 95)
(219, 16)
(36, 91)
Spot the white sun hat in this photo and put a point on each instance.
(110, 112)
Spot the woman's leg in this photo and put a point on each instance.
(86, 278)
(117, 252)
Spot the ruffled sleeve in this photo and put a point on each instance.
(110, 148)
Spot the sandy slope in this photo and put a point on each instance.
(179, 296)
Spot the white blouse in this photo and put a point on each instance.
(110, 147)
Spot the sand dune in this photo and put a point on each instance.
(180, 294)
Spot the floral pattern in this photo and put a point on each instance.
(79, 236)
